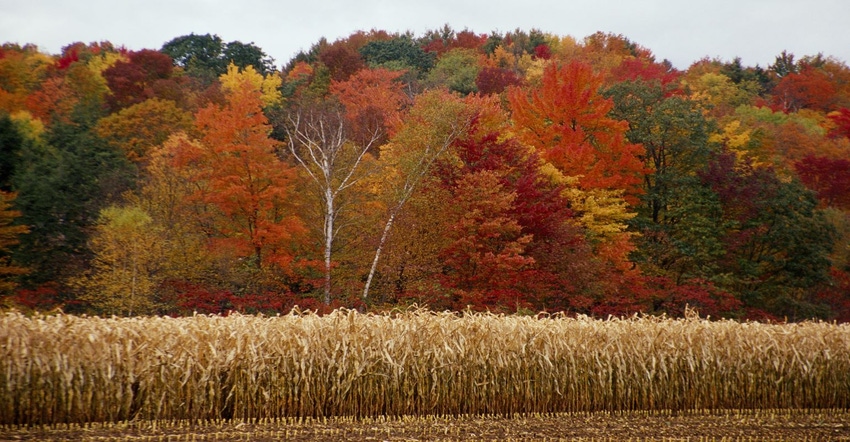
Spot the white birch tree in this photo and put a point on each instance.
(319, 143)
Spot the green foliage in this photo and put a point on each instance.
(756, 78)
(753, 115)
(494, 40)
(677, 217)
(777, 244)
(783, 65)
(9, 234)
(207, 56)
(10, 146)
(198, 54)
(840, 221)
(321, 83)
(62, 183)
(399, 50)
(457, 70)
(248, 54)
(686, 242)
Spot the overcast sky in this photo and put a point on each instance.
(681, 31)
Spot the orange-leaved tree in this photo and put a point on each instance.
(243, 191)
(373, 101)
(566, 120)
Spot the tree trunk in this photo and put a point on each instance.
(329, 238)
(378, 251)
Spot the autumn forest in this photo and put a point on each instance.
(510, 172)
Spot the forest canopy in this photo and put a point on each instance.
(513, 172)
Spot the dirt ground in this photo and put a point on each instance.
(732, 425)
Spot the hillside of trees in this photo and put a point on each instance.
(510, 172)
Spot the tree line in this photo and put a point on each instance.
(513, 172)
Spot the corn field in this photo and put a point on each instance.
(63, 368)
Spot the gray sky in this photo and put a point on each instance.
(681, 31)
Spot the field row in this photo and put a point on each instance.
(64, 368)
(695, 426)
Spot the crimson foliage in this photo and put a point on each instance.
(830, 178)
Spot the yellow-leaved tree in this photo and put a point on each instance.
(124, 271)
(268, 86)
(184, 253)
(603, 212)
(137, 129)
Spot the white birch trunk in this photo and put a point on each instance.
(317, 142)
(330, 212)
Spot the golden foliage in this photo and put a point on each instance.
(268, 86)
(127, 255)
(603, 212)
(183, 243)
(137, 129)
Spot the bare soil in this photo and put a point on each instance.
(725, 425)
